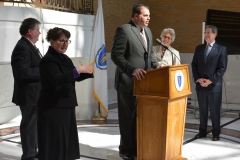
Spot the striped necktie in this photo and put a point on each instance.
(38, 51)
(143, 37)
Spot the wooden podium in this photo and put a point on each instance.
(161, 110)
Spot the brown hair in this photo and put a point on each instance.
(56, 33)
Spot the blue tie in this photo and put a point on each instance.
(207, 50)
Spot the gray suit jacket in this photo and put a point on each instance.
(130, 53)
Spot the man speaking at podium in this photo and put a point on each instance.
(208, 66)
(132, 54)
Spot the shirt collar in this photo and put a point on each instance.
(29, 40)
(139, 27)
(211, 44)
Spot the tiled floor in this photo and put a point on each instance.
(101, 140)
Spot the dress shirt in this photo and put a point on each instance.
(142, 33)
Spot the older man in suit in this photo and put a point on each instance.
(25, 67)
(132, 54)
(208, 66)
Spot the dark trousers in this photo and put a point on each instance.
(28, 131)
(213, 100)
(127, 123)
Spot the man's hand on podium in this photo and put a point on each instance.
(139, 73)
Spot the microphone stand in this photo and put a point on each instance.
(159, 42)
(171, 53)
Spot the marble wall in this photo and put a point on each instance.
(80, 26)
(8, 110)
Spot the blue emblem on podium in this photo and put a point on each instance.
(179, 80)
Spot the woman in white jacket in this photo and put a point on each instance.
(163, 55)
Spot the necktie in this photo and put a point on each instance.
(207, 50)
(144, 39)
(38, 51)
(145, 53)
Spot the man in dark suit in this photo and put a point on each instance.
(132, 54)
(208, 66)
(25, 67)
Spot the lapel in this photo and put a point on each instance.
(64, 60)
(136, 31)
(202, 50)
(67, 61)
(212, 53)
(35, 51)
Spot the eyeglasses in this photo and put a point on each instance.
(65, 41)
(167, 37)
(207, 32)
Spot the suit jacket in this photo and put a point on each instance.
(213, 69)
(129, 53)
(25, 67)
(57, 80)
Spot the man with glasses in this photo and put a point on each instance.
(208, 66)
(25, 67)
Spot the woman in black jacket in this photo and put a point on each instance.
(57, 129)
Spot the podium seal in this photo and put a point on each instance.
(179, 80)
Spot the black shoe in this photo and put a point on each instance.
(200, 136)
(30, 158)
(126, 156)
(36, 156)
(215, 138)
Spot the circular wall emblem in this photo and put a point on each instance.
(179, 80)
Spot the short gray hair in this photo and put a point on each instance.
(214, 28)
(170, 31)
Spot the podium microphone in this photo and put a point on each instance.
(166, 47)
(159, 42)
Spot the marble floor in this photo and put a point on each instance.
(100, 140)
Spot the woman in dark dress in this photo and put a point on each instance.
(57, 129)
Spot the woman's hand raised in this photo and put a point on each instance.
(84, 69)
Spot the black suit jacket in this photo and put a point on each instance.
(213, 69)
(25, 67)
(58, 82)
(129, 53)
